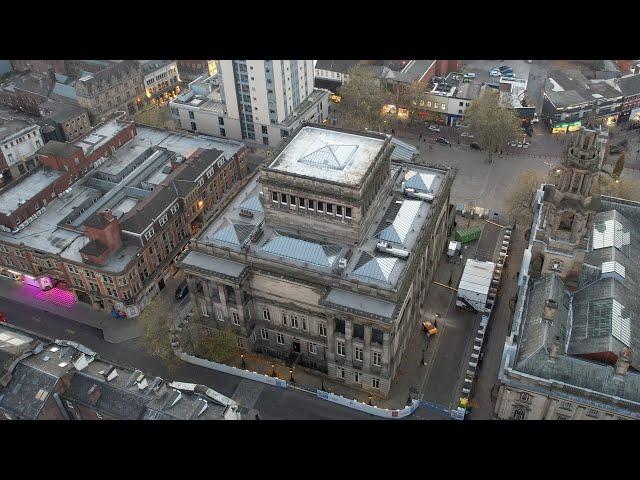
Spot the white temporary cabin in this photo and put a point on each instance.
(475, 283)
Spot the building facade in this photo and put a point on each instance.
(71, 121)
(118, 87)
(325, 258)
(161, 80)
(19, 141)
(260, 101)
(108, 214)
(571, 350)
(189, 70)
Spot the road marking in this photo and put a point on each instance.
(70, 332)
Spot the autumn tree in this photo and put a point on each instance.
(520, 198)
(619, 166)
(218, 345)
(155, 323)
(362, 100)
(410, 97)
(492, 122)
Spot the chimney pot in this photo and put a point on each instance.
(622, 365)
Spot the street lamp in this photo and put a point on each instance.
(244, 365)
(291, 375)
(273, 370)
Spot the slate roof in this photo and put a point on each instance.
(629, 84)
(341, 66)
(59, 149)
(24, 395)
(94, 248)
(110, 74)
(234, 234)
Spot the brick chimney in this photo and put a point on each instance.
(622, 365)
(103, 231)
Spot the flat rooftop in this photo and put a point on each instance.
(398, 222)
(121, 159)
(330, 155)
(100, 135)
(25, 189)
(183, 143)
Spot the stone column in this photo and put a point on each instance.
(386, 351)
(367, 349)
(331, 341)
(348, 347)
(223, 297)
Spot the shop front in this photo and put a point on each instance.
(566, 127)
(433, 117)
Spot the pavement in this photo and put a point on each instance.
(113, 330)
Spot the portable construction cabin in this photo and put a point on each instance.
(475, 284)
(469, 234)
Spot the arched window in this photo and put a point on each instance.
(519, 413)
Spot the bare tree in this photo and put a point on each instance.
(218, 345)
(155, 322)
(626, 188)
(519, 203)
(492, 123)
(362, 100)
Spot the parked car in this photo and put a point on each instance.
(508, 75)
(494, 73)
(182, 290)
(443, 141)
(429, 328)
(434, 128)
(469, 75)
(525, 144)
(535, 118)
(466, 135)
(616, 148)
(502, 68)
(475, 146)
(513, 144)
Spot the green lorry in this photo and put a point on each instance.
(469, 234)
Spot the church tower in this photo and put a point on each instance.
(568, 209)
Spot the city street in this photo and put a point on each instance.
(273, 403)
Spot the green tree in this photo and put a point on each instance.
(220, 346)
(619, 166)
(362, 100)
(519, 202)
(155, 322)
(492, 123)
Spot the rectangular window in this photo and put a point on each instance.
(377, 359)
(292, 200)
(301, 202)
(274, 197)
(566, 405)
(223, 133)
(294, 322)
(264, 333)
(220, 315)
(283, 198)
(347, 212)
(284, 318)
(220, 121)
(375, 383)
(175, 208)
(312, 348)
(358, 354)
(236, 318)
(304, 323)
(322, 330)
(266, 315)
(329, 208)
(149, 234)
(320, 207)
(163, 220)
(356, 377)
(339, 372)
(339, 210)
(265, 131)
(205, 313)
(593, 413)
(281, 339)
(340, 348)
(311, 204)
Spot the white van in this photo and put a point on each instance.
(469, 75)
